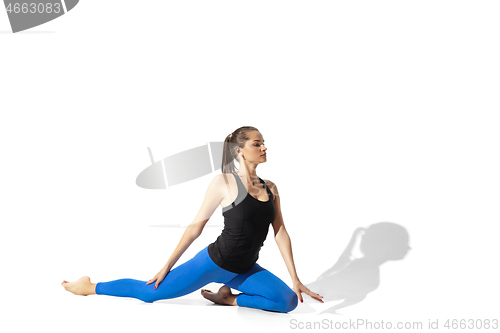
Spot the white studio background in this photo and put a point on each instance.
(372, 111)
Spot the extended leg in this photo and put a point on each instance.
(182, 280)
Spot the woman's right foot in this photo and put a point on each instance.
(82, 286)
(224, 296)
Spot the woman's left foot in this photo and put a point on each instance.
(223, 296)
(82, 286)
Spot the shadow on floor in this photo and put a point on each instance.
(351, 279)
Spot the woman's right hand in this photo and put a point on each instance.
(159, 277)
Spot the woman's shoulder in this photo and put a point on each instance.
(223, 179)
(269, 183)
(272, 186)
(223, 175)
(219, 180)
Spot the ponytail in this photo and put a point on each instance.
(228, 156)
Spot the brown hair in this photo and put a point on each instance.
(233, 140)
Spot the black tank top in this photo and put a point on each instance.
(246, 224)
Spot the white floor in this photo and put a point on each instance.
(410, 290)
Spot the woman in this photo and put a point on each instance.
(231, 259)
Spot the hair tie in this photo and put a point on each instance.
(231, 135)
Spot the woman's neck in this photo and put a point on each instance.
(247, 171)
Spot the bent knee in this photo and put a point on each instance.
(288, 303)
(292, 303)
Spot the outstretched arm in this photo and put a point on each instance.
(285, 245)
(213, 197)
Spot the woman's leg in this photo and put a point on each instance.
(180, 281)
(263, 290)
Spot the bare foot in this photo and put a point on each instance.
(82, 286)
(223, 296)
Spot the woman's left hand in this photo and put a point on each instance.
(299, 288)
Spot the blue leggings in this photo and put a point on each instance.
(260, 288)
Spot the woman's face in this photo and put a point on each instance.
(254, 149)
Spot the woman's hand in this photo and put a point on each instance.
(159, 277)
(299, 288)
